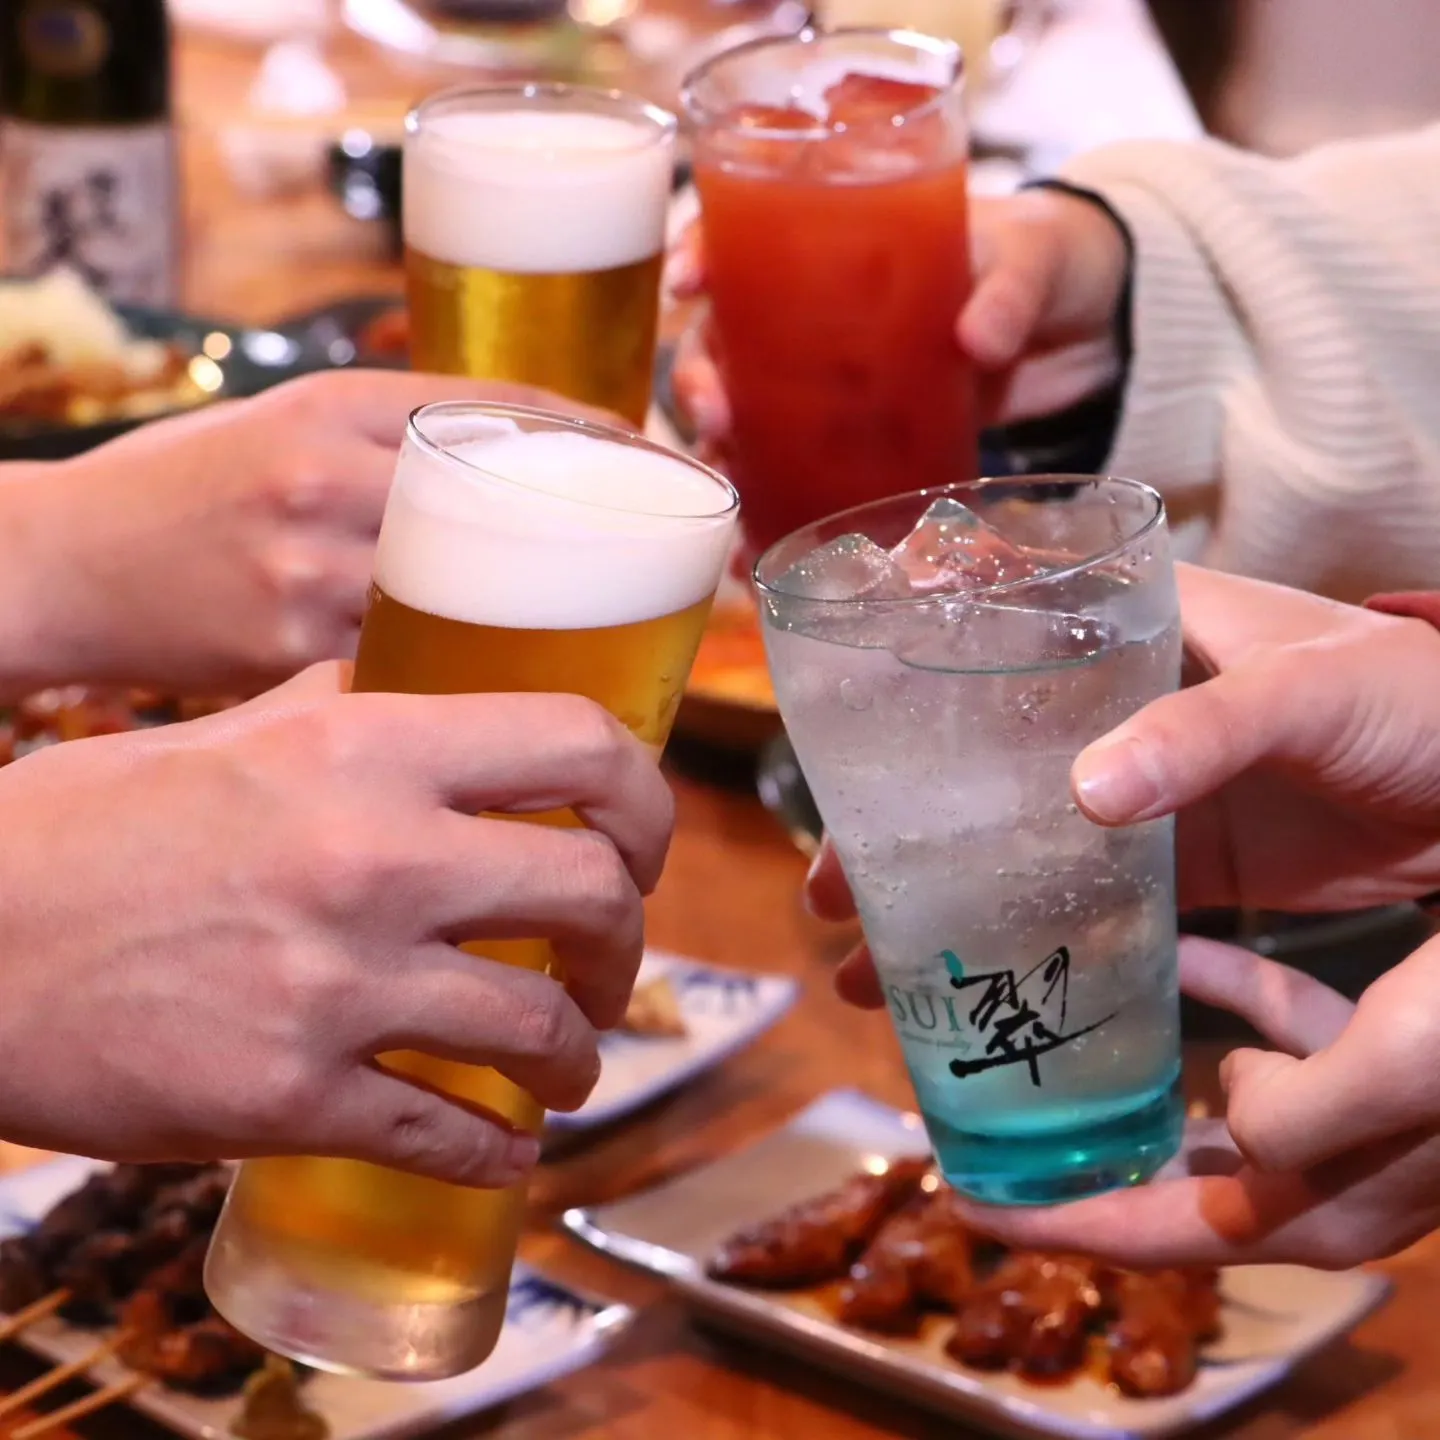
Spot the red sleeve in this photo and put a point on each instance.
(1412, 604)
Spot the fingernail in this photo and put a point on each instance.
(1115, 780)
(807, 897)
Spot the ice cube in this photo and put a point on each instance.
(852, 567)
(860, 99)
(769, 117)
(764, 138)
(952, 548)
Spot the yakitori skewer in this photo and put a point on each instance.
(49, 1381)
(79, 1409)
(21, 1320)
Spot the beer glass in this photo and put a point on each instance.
(534, 223)
(831, 169)
(940, 659)
(520, 551)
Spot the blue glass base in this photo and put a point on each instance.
(1054, 1166)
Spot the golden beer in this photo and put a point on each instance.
(519, 552)
(534, 221)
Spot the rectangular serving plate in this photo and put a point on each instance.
(1274, 1315)
(549, 1332)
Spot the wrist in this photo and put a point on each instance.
(45, 636)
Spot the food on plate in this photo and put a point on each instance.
(900, 1251)
(818, 1239)
(66, 358)
(921, 1256)
(654, 1011)
(274, 1407)
(1034, 1314)
(127, 1248)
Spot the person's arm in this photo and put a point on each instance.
(1286, 360)
(36, 630)
(215, 552)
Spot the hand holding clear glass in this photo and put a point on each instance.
(940, 660)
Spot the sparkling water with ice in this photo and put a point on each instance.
(1027, 955)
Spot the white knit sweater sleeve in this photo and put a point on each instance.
(1285, 383)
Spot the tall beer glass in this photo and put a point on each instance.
(519, 552)
(534, 220)
(831, 169)
(940, 660)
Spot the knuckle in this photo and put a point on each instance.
(594, 737)
(346, 862)
(289, 568)
(310, 988)
(331, 736)
(1336, 1249)
(545, 1021)
(425, 1138)
(280, 1092)
(599, 879)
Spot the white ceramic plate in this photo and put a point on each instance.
(725, 1010)
(1274, 1315)
(549, 1331)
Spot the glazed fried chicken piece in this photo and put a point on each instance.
(1033, 1315)
(816, 1240)
(1160, 1319)
(922, 1255)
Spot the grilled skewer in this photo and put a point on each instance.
(44, 1384)
(79, 1409)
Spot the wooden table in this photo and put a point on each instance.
(730, 895)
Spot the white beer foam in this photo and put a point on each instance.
(536, 191)
(552, 530)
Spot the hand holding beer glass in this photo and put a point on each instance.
(831, 170)
(534, 219)
(520, 552)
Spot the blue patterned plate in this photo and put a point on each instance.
(723, 1010)
(549, 1332)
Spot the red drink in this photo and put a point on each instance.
(837, 255)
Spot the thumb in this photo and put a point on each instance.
(1265, 1103)
(1016, 268)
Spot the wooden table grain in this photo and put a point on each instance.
(730, 895)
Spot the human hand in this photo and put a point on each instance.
(1329, 1153)
(219, 551)
(1305, 776)
(1040, 324)
(212, 929)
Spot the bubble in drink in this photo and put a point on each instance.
(951, 546)
(853, 567)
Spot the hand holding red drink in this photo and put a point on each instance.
(1038, 327)
(834, 197)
